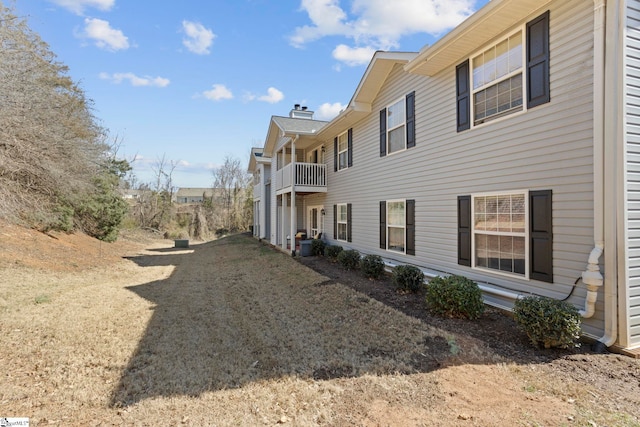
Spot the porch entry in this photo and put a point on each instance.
(315, 156)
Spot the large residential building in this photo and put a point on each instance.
(507, 152)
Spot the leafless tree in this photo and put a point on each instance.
(51, 146)
(153, 207)
(231, 194)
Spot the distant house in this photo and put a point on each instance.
(193, 195)
(131, 194)
(508, 152)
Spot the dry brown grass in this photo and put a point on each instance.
(233, 333)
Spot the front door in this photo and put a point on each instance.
(314, 220)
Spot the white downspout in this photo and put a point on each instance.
(592, 277)
(613, 76)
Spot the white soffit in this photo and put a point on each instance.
(495, 18)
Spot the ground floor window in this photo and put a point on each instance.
(500, 232)
(396, 225)
(342, 222)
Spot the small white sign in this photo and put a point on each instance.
(11, 422)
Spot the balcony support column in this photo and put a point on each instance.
(294, 216)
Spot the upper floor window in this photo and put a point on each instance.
(506, 77)
(396, 117)
(343, 151)
(497, 80)
(397, 126)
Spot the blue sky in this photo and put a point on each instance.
(196, 81)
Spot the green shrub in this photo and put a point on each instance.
(372, 266)
(317, 247)
(332, 251)
(408, 278)
(349, 259)
(548, 322)
(455, 296)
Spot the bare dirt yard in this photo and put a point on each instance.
(232, 332)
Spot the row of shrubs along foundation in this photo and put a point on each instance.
(546, 321)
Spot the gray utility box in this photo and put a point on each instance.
(181, 243)
(305, 247)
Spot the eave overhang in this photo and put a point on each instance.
(490, 22)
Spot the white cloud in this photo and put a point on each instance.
(328, 111)
(198, 38)
(78, 6)
(118, 78)
(104, 36)
(273, 96)
(378, 24)
(328, 19)
(218, 93)
(353, 55)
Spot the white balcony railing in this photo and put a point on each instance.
(256, 191)
(306, 175)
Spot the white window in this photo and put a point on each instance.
(396, 219)
(500, 233)
(498, 79)
(343, 151)
(396, 133)
(342, 222)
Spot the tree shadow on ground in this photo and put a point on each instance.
(234, 311)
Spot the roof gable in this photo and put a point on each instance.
(374, 77)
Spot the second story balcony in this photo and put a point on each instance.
(303, 177)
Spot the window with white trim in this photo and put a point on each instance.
(343, 151)
(342, 220)
(500, 233)
(396, 226)
(498, 79)
(396, 125)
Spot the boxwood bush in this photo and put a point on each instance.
(408, 278)
(332, 251)
(349, 259)
(455, 296)
(317, 247)
(372, 266)
(548, 322)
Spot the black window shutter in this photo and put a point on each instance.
(410, 214)
(335, 154)
(464, 230)
(335, 222)
(538, 91)
(411, 119)
(383, 225)
(463, 97)
(541, 236)
(348, 222)
(350, 147)
(383, 132)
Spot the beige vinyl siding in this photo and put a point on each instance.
(632, 98)
(548, 147)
